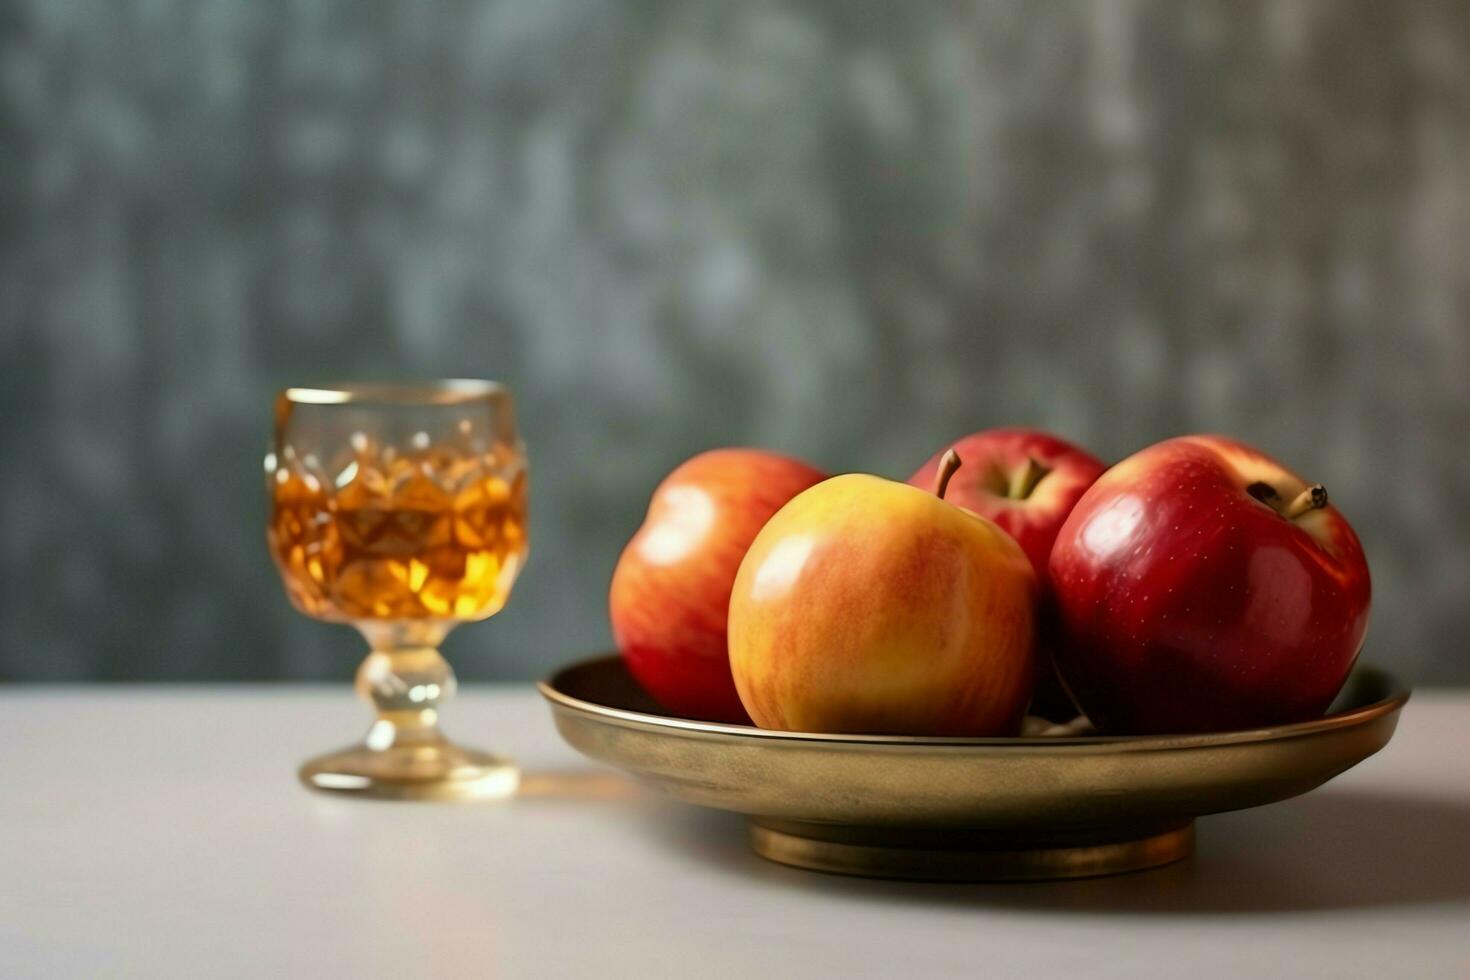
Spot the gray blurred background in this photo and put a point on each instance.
(847, 230)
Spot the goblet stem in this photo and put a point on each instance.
(405, 755)
(405, 678)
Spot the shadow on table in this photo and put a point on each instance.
(1329, 850)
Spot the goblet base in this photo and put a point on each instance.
(439, 770)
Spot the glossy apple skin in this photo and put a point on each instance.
(869, 606)
(1187, 605)
(990, 459)
(670, 590)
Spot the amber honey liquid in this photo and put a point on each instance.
(427, 534)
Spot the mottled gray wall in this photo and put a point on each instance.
(848, 230)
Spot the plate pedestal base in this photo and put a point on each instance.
(971, 855)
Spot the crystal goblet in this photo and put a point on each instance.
(400, 509)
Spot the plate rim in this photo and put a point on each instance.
(1397, 697)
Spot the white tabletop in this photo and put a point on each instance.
(160, 832)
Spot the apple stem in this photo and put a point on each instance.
(1025, 479)
(1312, 498)
(948, 463)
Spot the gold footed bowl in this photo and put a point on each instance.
(965, 809)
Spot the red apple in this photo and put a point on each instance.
(1027, 482)
(1022, 479)
(670, 591)
(1202, 586)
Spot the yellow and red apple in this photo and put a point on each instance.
(671, 589)
(1026, 481)
(1203, 586)
(867, 605)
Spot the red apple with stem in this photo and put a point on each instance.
(1026, 481)
(670, 592)
(1202, 586)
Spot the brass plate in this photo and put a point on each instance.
(974, 809)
